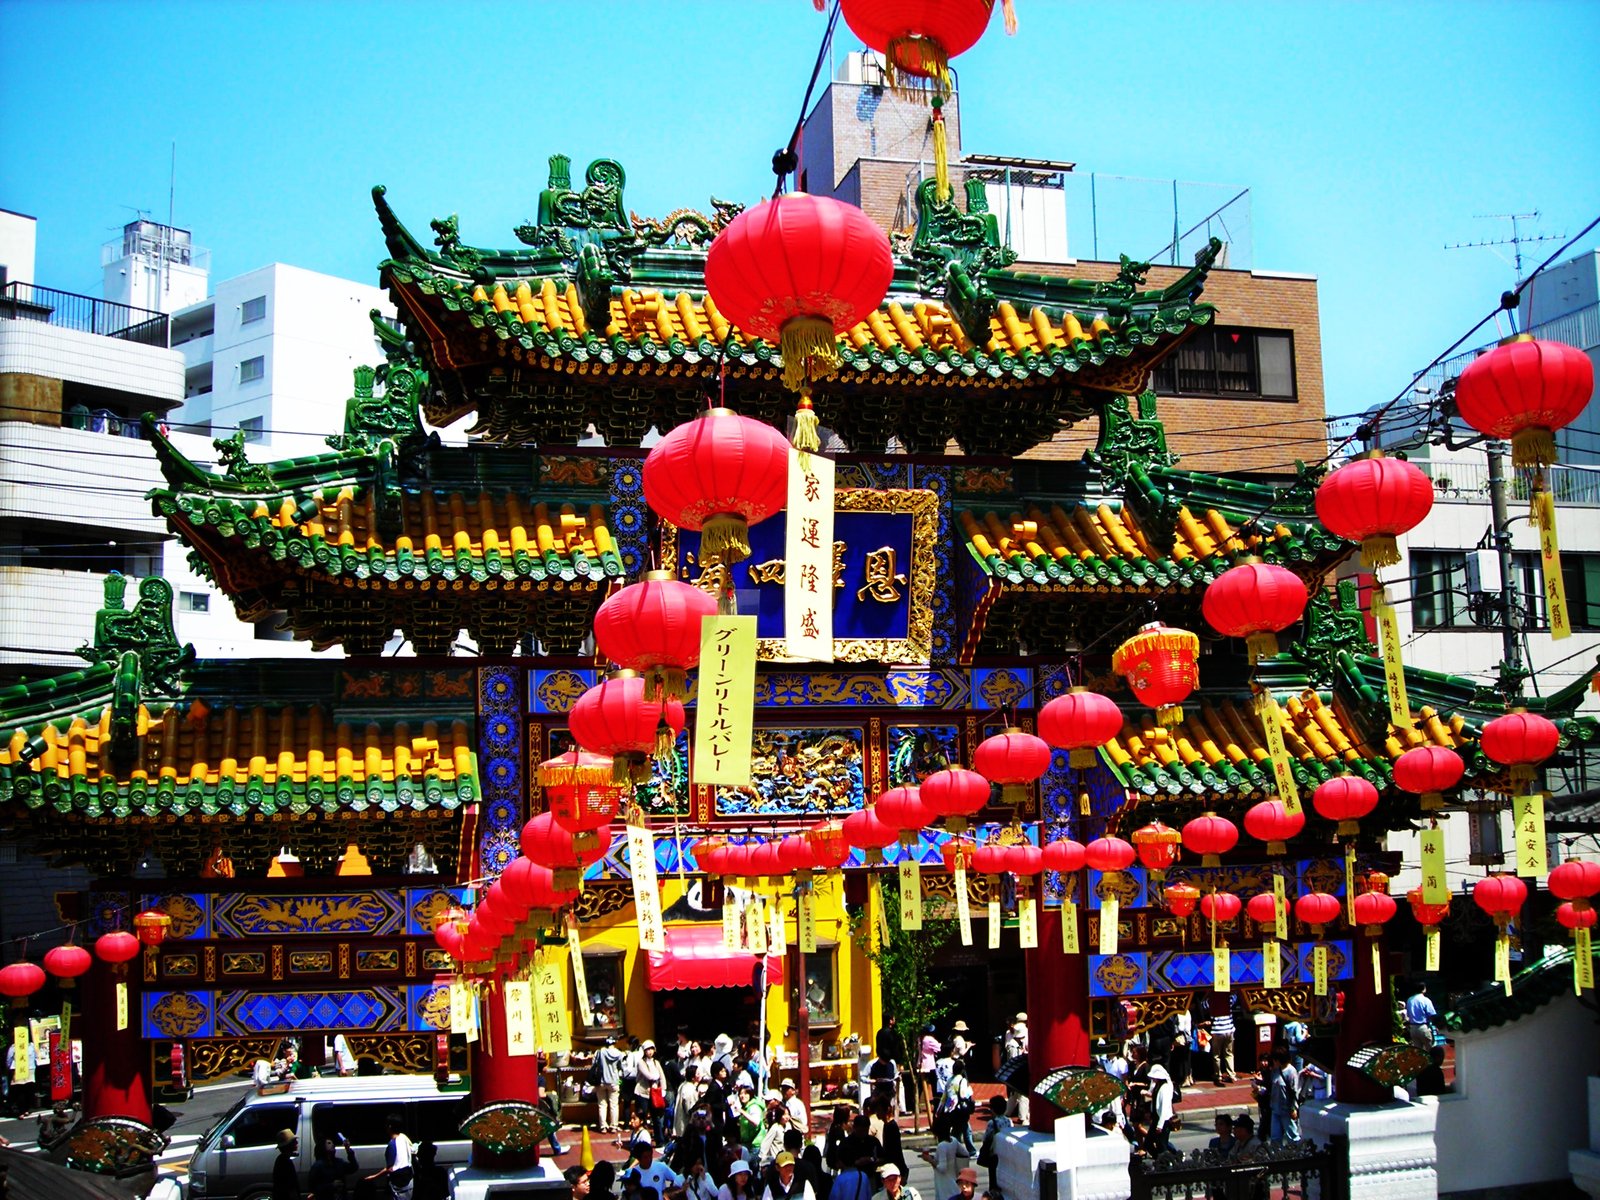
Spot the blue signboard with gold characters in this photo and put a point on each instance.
(883, 576)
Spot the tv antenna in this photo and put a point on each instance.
(1516, 241)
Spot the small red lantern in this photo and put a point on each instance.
(1271, 822)
(720, 474)
(1108, 855)
(867, 833)
(1425, 913)
(550, 844)
(829, 847)
(116, 948)
(653, 627)
(151, 927)
(1577, 880)
(1575, 918)
(708, 854)
(1255, 601)
(1318, 910)
(795, 857)
(1373, 907)
(1022, 859)
(1262, 908)
(1080, 722)
(989, 859)
(19, 981)
(1161, 665)
(955, 794)
(1157, 846)
(1525, 389)
(1373, 500)
(901, 808)
(798, 271)
(449, 939)
(614, 719)
(1345, 799)
(1520, 740)
(1220, 907)
(1428, 771)
(765, 860)
(1210, 836)
(1180, 898)
(66, 963)
(957, 852)
(1501, 896)
(583, 797)
(1013, 760)
(1064, 855)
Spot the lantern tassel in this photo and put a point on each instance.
(806, 437)
(941, 152)
(1379, 551)
(1009, 10)
(1014, 794)
(917, 67)
(1169, 715)
(1261, 645)
(1081, 758)
(669, 683)
(666, 742)
(1533, 447)
(725, 537)
(1432, 801)
(810, 350)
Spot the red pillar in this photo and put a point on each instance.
(497, 1076)
(115, 1062)
(1058, 1012)
(1367, 1019)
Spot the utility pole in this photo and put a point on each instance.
(1510, 644)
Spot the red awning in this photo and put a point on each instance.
(696, 958)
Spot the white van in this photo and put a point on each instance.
(234, 1160)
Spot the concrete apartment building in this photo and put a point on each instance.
(1243, 394)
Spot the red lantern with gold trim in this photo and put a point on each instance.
(1429, 772)
(1501, 896)
(1373, 907)
(918, 38)
(1262, 908)
(1374, 500)
(150, 927)
(1318, 910)
(20, 980)
(1063, 855)
(1525, 389)
(1210, 836)
(614, 719)
(1161, 665)
(1255, 601)
(795, 856)
(1080, 722)
(1108, 855)
(583, 797)
(1425, 913)
(719, 474)
(1270, 821)
(117, 948)
(864, 831)
(1577, 880)
(1013, 759)
(955, 794)
(1022, 859)
(1520, 740)
(829, 846)
(1574, 918)
(1345, 799)
(901, 808)
(1220, 907)
(1157, 847)
(67, 962)
(1180, 898)
(549, 844)
(653, 627)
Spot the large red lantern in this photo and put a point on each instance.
(1318, 910)
(1373, 910)
(1373, 501)
(1577, 880)
(795, 856)
(1063, 854)
(864, 831)
(1220, 907)
(1157, 846)
(116, 948)
(1425, 913)
(1345, 799)
(550, 844)
(1271, 822)
(798, 271)
(901, 808)
(1108, 855)
(613, 718)
(66, 963)
(653, 627)
(1525, 389)
(582, 796)
(829, 846)
(1429, 772)
(955, 794)
(1161, 665)
(1255, 601)
(1210, 836)
(720, 474)
(1262, 908)
(1180, 898)
(19, 981)
(1501, 896)
(1022, 859)
(1520, 740)
(1080, 722)
(1013, 760)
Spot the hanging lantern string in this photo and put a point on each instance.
(786, 160)
(21, 940)
(1508, 303)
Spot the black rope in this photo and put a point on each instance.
(786, 160)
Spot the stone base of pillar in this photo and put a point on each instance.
(1392, 1151)
(474, 1183)
(1090, 1164)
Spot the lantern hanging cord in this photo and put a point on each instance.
(785, 161)
(1508, 303)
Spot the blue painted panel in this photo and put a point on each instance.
(177, 1014)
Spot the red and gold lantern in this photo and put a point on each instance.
(955, 794)
(1270, 821)
(150, 927)
(1108, 855)
(1574, 918)
(1374, 500)
(1429, 772)
(1373, 907)
(550, 844)
(1157, 847)
(1318, 910)
(117, 948)
(1022, 859)
(1525, 389)
(719, 474)
(1520, 740)
(1345, 799)
(1220, 907)
(1080, 722)
(1262, 908)
(1501, 896)
(653, 627)
(614, 719)
(1210, 836)
(582, 796)
(865, 832)
(901, 808)
(1180, 898)
(829, 846)
(1255, 601)
(1013, 760)
(1425, 913)
(1576, 880)
(1161, 665)
(1063, 855)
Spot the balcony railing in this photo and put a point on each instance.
(68, 310)
(1469, 482)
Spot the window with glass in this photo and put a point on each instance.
(1438, 589)
(1230, 362)
(821, 985)
(252, 369)
(1580, 573)
(253, 309)
(253, 428)
(260, 1124)
(603, 974)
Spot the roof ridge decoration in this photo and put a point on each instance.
(1334, 624)
(1533, 987)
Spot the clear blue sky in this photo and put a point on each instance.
(1370, 133)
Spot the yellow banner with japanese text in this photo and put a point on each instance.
(910, 875)
(1278, 752)
(1028, 923)
(1394, 671)
(1069, 927)
(580, 978)
(805, 916)
(646, 892)
(963, 906)
(1271, 965)
(550, 1004)
(724, 714)
(517, 995)
(1528, 820)
(1555, 586)
(1435, 883)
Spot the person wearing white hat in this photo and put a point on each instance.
(794, 1108)
(894, 1185)
(739, 1185)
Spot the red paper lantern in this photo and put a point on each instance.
(1022, 859)
(707, 854)
(955, 794)
(720, 474)
(829, 846)
(653, 627)
(1373, 501)
(1262, 908)
(1157, 846)
(613, 718)
(551, 845)
(1255, 601)
(1318, 910)
(117, 947)
(1501, 896)
(151, 927)
(583, 797)
(1345, 799)
(901, 808)
(1161, 665)
(1210, 836)
(19, 981)
(1013, 760)
(1577, 880)
(1220, 907)
(1372, 910)
(1271, 822)
(1425, 913)
(449, 939)
(1428, 771)
(989, 859)
(795, 857)
(1108, 854)
(1180, 898)
(957, 852)
(1520, 740)
(867, 833)
(66, 963)
(798, 271)
(1064, 855)
(1573, 917)
(1525, 389)
(764, 860)
(1080, 722)
(478, 944)
(918, 38)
